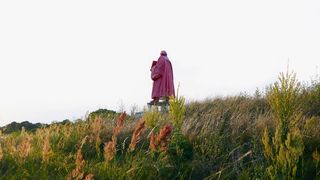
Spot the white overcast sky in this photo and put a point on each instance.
(60, 59)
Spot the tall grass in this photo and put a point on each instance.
(235, 137)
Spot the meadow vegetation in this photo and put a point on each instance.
(269, 135)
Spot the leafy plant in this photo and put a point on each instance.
(285, 148)
(177, 110)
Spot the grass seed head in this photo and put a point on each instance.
(136, 134)
(24, 147)
(110, 150)
(153, 142)
(161, 139)
(78, 173)
(120, 122)
(165, 132)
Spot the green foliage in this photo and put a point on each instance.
(102, 113)
(180, 148)
(177, 110)
(285, 148)
(283, 98)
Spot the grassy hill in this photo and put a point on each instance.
(271, 135)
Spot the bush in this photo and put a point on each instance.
(285, 148)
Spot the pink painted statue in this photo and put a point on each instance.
(162, 76)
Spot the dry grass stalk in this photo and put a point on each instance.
(78, 173)
(163, 136)
(161, 139)
(110, 147)
(120, 122)
(96, 125)
(96, 128)
(136, 134)
(46, 149)
(153, 142)
(61, 143)
(109, 150)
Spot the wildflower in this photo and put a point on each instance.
(136, 134)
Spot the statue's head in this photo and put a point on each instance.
(163, 53)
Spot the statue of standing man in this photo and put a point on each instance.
(162, 76)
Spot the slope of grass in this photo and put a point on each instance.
(220, 138)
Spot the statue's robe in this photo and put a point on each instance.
(162, 76)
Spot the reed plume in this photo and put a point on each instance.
(78, 173)
(153, 142)
(161, 140)
(110, 147)
(109, 150)
(120, 122)
(163, 136)
(24, 147)
(136, 134)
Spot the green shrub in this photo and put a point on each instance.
(180, 149)
(177, 111)
(285, 148)
(152, 118)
